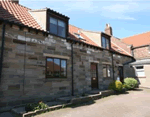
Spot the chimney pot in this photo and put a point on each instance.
(108, 29)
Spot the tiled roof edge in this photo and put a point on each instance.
(135, 35)
(121, 41)
(11, 22)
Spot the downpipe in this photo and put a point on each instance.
(2, 50)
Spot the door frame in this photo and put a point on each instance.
(96, 76)
(121, 79)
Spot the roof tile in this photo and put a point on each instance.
(138, 40)
(17, 13)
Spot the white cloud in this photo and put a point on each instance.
(115, 9)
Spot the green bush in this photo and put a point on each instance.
(35, 106)
(130, 83)
(116, 86)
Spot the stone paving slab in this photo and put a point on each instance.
(6, 114)
(136, 103)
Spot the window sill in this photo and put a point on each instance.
(55, 79)
(141, 76)
(107, 77)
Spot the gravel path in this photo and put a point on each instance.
(134, 104)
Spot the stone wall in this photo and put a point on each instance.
(23, 76)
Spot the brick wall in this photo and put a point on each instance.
(141, 53)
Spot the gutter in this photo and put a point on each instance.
(113, 65)
(2, 49)
(133, 60)
(72, 69)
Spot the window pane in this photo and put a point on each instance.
(49, 67)
(108, 70)
(56, 67)
(107, 43)
(139, 67)
(53, 25)
(63, 68)
(104, 71)
(61, 28)
(103, 42)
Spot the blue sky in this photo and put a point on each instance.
(127, 17)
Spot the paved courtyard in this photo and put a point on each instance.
(134, 104)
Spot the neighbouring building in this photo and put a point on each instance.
(141, 52)
(43, 57)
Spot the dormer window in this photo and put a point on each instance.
(105, 43)
(57, 27)
(57, 24)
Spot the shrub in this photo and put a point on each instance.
(130, 83)
(116, 86)
(35, 106)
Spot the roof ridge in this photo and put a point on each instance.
(121, 41)
(135, 35)
(15, 4)
(91, 31)
(32, 10)
(84, 29)
(75, 26)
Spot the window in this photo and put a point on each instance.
(106, 71)
(57, 27)
(78, 36)
(56, 68)
(105, 43)
(140, 71)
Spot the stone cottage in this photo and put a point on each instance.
(43, 57)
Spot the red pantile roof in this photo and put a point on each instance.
(74, 29)
(18, 14)
(138, 40)
(120, 46)
(116, 44)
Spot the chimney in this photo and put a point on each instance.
(14, 1)
(108, 29)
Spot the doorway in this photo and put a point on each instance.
(120, 69)
(94, 78)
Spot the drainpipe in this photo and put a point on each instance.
(72, 68)
(132, 50)
(113, 65)
(24, 65)
(2, 49)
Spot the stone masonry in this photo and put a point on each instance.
(23, 76)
